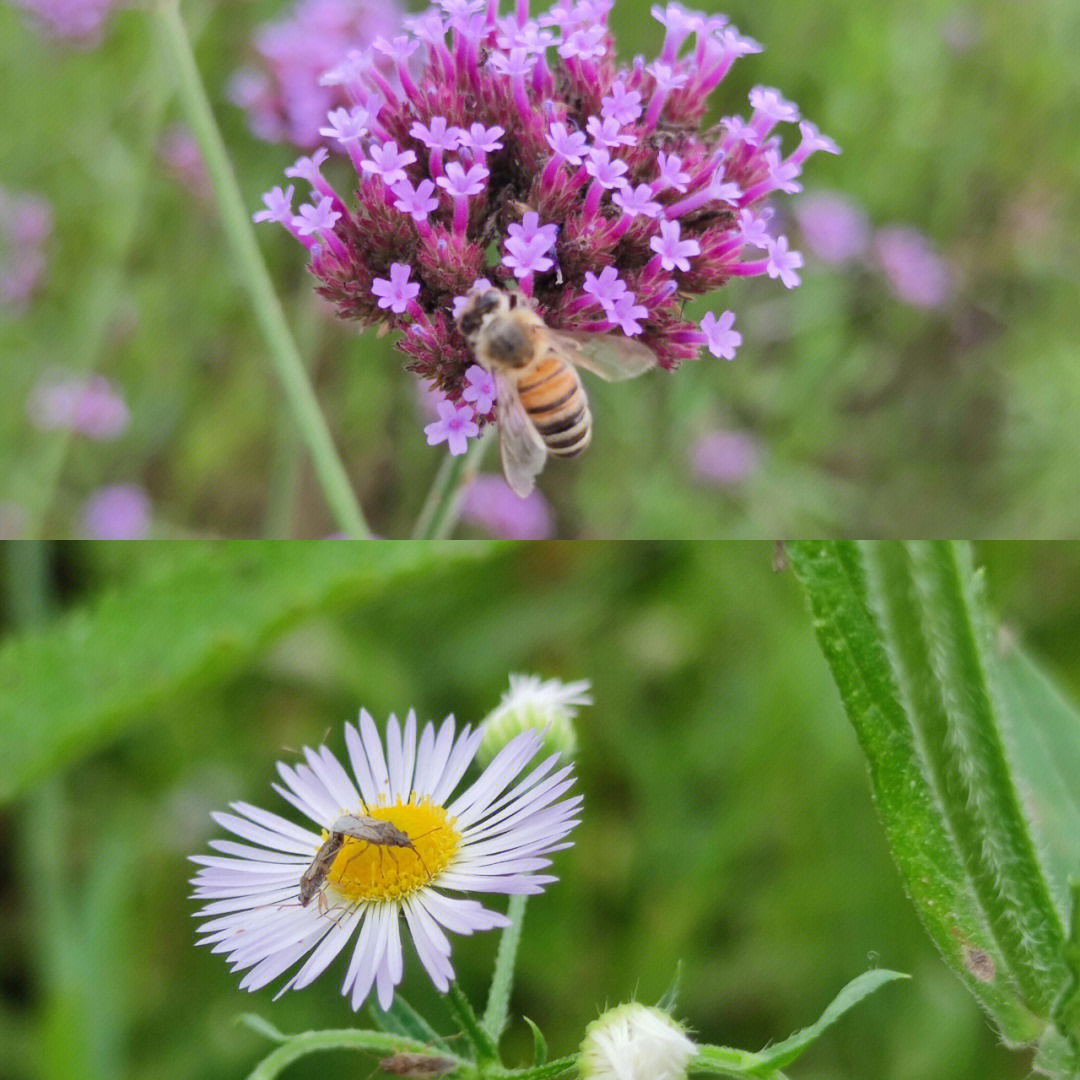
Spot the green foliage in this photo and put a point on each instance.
(905, 632)
(96, 672)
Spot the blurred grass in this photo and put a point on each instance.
(727, 820)
(874, 418)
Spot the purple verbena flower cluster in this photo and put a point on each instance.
(517, 149)
(26, 223)
(281, 91)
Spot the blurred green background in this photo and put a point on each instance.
(869, 416)
(727, 822)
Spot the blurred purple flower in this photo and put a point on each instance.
(180, 154)
(25, 227)
(523, 136)
(724, 457)
(282, 92)
(835, 228)
(116, 512)
(81, 22)
(916, 272)
(491, 504)
(86, 404)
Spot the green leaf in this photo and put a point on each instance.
(887, 655)
(67, 688)
(782, 1054)
(1044, 736)
(402, 1019)
(540, 1048)
(261, 1026)
(669, 998)
(311, 1042)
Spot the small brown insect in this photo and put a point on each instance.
(417, 1065)
(372, 830)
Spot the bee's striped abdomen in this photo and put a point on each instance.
(554, 398)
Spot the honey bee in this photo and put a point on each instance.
(373, 830)
(542, 406)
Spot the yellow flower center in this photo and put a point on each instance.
(369, 871)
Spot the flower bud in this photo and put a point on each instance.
(635, 1042)
(531, 703)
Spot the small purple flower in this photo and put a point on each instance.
(606, 172)
(674, 253)
(483, 140)
(480, 389)
(768, 103)
(25, 227)
(724, 457)
(605, 288)
(418, 202)
(437, 135)
(667, 78)
(315, 219)
(783, 263)
(460, 182)
(81, 22)
(671, 173)
(278, 206)
(625, 313)
(396, 293)
(623, 106)
(917, 273)
(387, 161)
(754, 228)
(116, 512)
(639, 200)
(490, 504)
(609, 132)
(528, 244)
(517, 63)
(835, 229)
(585, 44)
(308, 168)
(570, 146)
(347, 125)
(454, 427)
(720, 336)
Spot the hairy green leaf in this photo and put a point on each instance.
(67, 688)
(887, 659)
(784, 1053)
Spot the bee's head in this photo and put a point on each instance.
(481, 305)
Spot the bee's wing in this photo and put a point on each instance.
(522, 450)
(611, 356)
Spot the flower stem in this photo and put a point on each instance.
(443, 504)
(255, 278)
(502, 980)
(470, 1026)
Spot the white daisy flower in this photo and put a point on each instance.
(635, 1042)
(488, 839)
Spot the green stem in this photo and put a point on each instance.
(255, 278)
(538, 1072)
(298, 1046)
(443, 504)
(470, 1026)
(502, 979)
